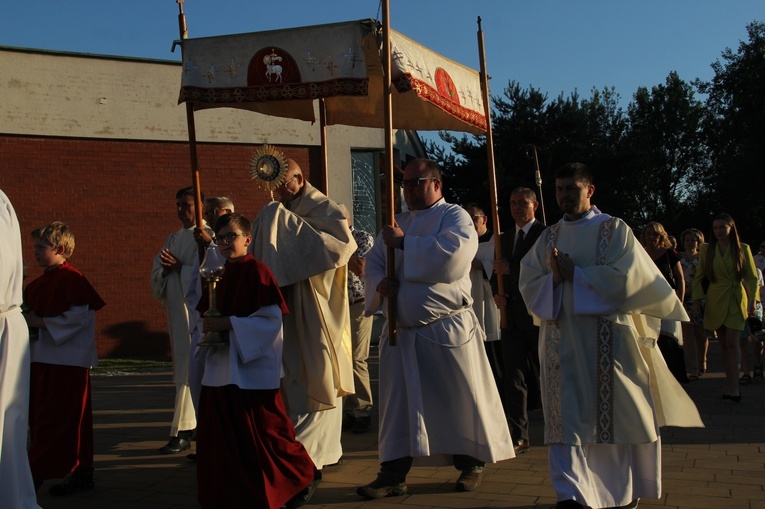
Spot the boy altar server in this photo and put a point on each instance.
(247, 455)
(63, 305)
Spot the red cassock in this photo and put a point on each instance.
(60, 414)
(247, 455)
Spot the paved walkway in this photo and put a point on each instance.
(719, 467)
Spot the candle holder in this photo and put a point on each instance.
(212, 270)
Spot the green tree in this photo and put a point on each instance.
(735, 130)
(565, 129)
(666, 151)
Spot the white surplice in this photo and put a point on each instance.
(171, 291)
(437, 393)
(16, 486)
(605, 387)
(483, 297)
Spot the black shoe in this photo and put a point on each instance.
(177, 444)
(306, 494)
(361, 424)
(79, 480)
(736, 399)
(568, 504)
(348, 422)
(381, 488)
(521, 446)
(191, 457)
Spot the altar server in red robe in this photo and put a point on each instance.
(247, 454)
(62, 307)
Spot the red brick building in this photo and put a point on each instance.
(101, 144)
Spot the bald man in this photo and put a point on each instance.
(305, 240)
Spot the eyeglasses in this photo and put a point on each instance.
(288, 180)
(412, 183)
(477, 217)
(228, 238)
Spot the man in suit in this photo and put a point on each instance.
(519, 338)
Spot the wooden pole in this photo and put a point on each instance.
(492, 170)
(324, 158)
(192, 130)
(390, 216)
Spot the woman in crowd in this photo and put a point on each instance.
(694, 336)
(730, 298)
(656, 243)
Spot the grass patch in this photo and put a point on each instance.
(106, 366)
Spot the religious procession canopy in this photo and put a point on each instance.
(281, 73)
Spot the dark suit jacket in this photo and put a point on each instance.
(517, 313)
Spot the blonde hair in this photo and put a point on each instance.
(56, 234)
(660, 231)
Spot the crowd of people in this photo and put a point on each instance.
(576, 318)
(720, 284)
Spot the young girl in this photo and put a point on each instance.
(247, 455)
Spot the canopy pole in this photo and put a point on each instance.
(390, 216)
(192, 130)
(324, 158)
(537, 176)
(492, 171)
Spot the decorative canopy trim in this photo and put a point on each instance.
(224, 96)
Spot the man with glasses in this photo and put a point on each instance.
(481, 270)
(305, 240)
(438, 398)
(171, 277)
(213, 209)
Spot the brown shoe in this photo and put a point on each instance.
(521, 446)
(381, 488)
(469, 479)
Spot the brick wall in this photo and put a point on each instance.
(118, 197)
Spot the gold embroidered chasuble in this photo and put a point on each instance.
(602, 379)
(307, 248)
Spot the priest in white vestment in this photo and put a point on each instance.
(171, 277)
(438, 399)
(305, 240)
(16, 487)
(605, 388)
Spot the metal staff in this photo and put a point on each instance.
(492, 171)
(388, 106)
(531, 153)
